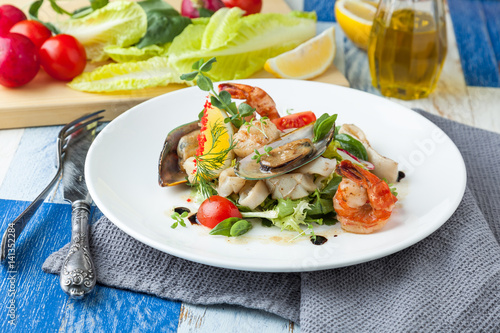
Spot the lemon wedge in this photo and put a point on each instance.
(307, 60)
(214, 141)
(355, 17)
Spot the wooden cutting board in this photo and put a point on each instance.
(45, 101)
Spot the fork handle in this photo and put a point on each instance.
(77, 276)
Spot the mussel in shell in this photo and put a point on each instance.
(169, 169)
(292, 151)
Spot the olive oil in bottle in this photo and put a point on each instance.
(406, 52)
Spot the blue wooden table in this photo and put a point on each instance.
(32, 300)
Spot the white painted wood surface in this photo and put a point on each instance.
(452, 99)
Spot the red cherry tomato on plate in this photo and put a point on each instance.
(9, 15)
(215, 210)
(19, 62)
(34, 30)
(249, 6)
(63, 57)
(295, 120)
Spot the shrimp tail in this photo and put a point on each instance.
(257, 98)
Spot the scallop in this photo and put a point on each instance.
(292, 151)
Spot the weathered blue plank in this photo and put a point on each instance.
(479, 64)
(43, 307)
(491, 9)
(39, 300)
(324, 9)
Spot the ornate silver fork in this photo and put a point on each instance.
(72, 130)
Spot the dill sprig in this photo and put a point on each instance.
(211, 160)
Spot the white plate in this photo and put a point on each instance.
(121, 173)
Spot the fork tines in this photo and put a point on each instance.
(79, 126)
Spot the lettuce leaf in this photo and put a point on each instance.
(241, 44)
(153, 72)
(120, 23)
(133, 53)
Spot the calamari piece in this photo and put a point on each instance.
(259, 135)
(291, 186)
(321, 166)
(253, 194)
(190, 167)
(384, 167)
(229, 183)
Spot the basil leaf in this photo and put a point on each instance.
(322, 126)
(322, 118)
(96, 4)
(239, 228)
(58, 9)
(331, 188)
(81, 12)
(163, 26)
(33, 14)
(352, 145)
(154, 4)
(224, 227)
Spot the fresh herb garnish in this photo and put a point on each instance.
(231, 227)
(262, 122)
(220, 100)
(323, 125)
(179, 219)
(352, 145)
(210, 161)
(258, 155)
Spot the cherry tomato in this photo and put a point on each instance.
(19, 61)
(34, 30)
(295, 120)
(9, 15)
(249, 6)
(215, 210)
(63, 57)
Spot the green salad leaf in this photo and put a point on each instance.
(164, 23)
(120, 23)
(153, 72)
(287, 214)
(242, 44)
(133, 53)
(352, 145)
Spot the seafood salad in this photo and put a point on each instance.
(248, 164)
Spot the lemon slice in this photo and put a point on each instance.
(307, 60)
(215, 140)
(355, 17)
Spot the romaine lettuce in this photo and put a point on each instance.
(120, 23)
(153, 72)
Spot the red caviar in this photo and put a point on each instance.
(202, 137)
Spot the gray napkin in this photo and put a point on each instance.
(448, 282)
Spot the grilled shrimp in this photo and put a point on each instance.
(255, 97)
(363, 201)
